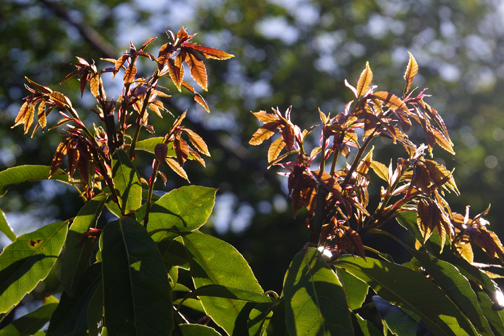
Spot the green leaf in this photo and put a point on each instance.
(30, 323)
(95, 312)
(364, 327)
(126, 182)
(184, 210)
(15, 175)
(136, 288)
(214, 261)
(114, 208)
(412, 291)
(27, 261)
(495, 318)
(173, 251)
(197, 330)
(71, 315)
(5, 227)
(355, 289)
(78, 248)
(229, 293)
(149, 144)
(398, 321)
(456, 286)
(315, 302)
(276, 326)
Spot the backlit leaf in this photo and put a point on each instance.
(130, 73)
(60, 99)
(126, 182)
(197, 97)
(78, 248)
(197, 330)
(264, 132)
(177, 168)
(315, 302)
(391, 101)
(136, 289)
(209, 52)
(29, 173)
(214, 261)
(184, 209)
(27, 261)
(410, 290)
(176, 73)
(30, 323)
(365, 80)
(198, 70)
(5, 227)
(355, 289)
(275, 149)
(380, 169)
(411, 71)
(229, 293)
(42, 88)
(197, 141)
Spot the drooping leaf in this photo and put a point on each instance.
(275, 149)
(410, 290)
(137, 293)
(197, 330)
(197, 97)
(495, 318)
(315, 302)
(215, 262)
(27, 261)
(30, 323)
(176, 74)
(95, 312)
(229, 293)
(5, 227)
(365, 80)
(391, 101)
(126, 182)
(15, 175)
(78, 251)
(198, 70)
(355, 289)
(197, 142)
(264, 132)
(456, 286)
(411, 71)
(71, 315)
(177, 168)
(184, 209)
(398, 321)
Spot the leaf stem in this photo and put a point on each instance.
(149, 196)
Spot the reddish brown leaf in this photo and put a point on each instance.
(41, 116)
(175, 166)
(164, 54)
(275, 149)
(182, 35)
(70, 75)
(155, 106)
(411, 71)
(265, 117)
(265, 132)
(364, 81)
(181, 149)
(60, 100)
(149, 41)
(120, 62)
(197, 141)
(43, 89)
(288, 134)
(58, 156)
(130, 73)
(160, 151)
(356, 241)
(94, 84)
(208, 52)
(197, 97)
(198, 70)
(442, 141)
(390, 100)
(176, 73)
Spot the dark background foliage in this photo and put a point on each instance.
(286, 53)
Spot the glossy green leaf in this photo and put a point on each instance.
(184, 209)
(398, 321)
(5, 227)
(15, 175)
(27, 261)
(315, 302)
(456, 286)
(78, 249)
(137, 292)
(355, 289)
(30, 323)
(113, 208)
(149, 145)
(173, 251)
(126, 182)
(412, 291)
(214, 261)
(71, 315)
(229, 293)
(197, 330)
